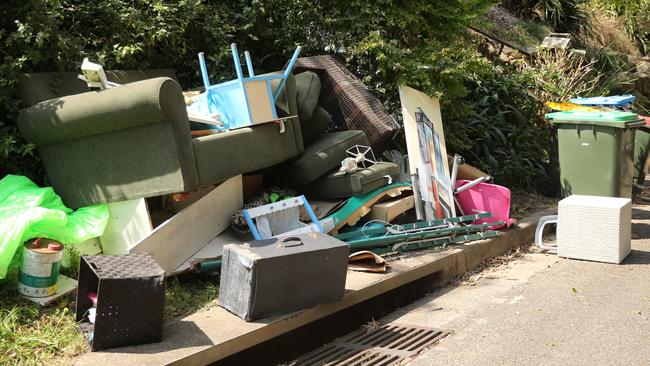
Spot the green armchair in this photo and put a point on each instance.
(134, 141)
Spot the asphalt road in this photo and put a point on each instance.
(543, 310)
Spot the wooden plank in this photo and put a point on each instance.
(556, 42)
(175, 240)
(213, 248)
(65, 286)
(200, 133)
(325, 207)
(389, 210)
(127, 225)
(466, 171)
(528, 51)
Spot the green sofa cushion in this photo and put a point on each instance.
(336, 185)
(243, 150)
(312, 129)
(319, 158)
(307, 93)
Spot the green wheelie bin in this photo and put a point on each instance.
(596, 152)
(641, 149)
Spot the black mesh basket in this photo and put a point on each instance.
(130, 299)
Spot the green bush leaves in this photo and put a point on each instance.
(491, 109)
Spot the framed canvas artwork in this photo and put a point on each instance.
(427, 155)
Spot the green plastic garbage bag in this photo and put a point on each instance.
(28, 211)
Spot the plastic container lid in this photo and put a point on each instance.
(614, 100)
(55, 246)
(610, 118)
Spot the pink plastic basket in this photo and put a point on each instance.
(485, 197)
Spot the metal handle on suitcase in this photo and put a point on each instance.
(291, 241)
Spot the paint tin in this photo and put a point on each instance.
(39, 269)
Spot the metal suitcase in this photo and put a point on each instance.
(273, 276)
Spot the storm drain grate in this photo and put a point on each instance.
(383, 346)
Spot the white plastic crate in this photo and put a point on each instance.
(594, 228)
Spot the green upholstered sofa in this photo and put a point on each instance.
(134, 141)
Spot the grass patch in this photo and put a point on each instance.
(507, 27)
(35, 335)
(189, 293)
(534, 30)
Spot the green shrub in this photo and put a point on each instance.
(636, 14)
(490, 111)
(508, 140)
(563, 15)
(52, 35)
(558, 75)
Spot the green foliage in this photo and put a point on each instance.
(558, 75)
(636, 14)
(490, 111)
(34, 335)
(508, 140)
(563, 15)
(72, 259)
(504, 131)
(16, 155)
(55, 35)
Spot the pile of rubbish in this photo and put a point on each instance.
(293, 226)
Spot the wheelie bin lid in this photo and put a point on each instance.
(617, 119)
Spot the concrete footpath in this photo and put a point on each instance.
(543, 310)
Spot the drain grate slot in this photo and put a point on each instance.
(383, 346)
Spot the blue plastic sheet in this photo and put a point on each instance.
(612, 101)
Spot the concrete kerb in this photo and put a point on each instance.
(472, 254)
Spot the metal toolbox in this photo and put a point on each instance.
(272, 276)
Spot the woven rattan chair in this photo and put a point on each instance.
(349, 101)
